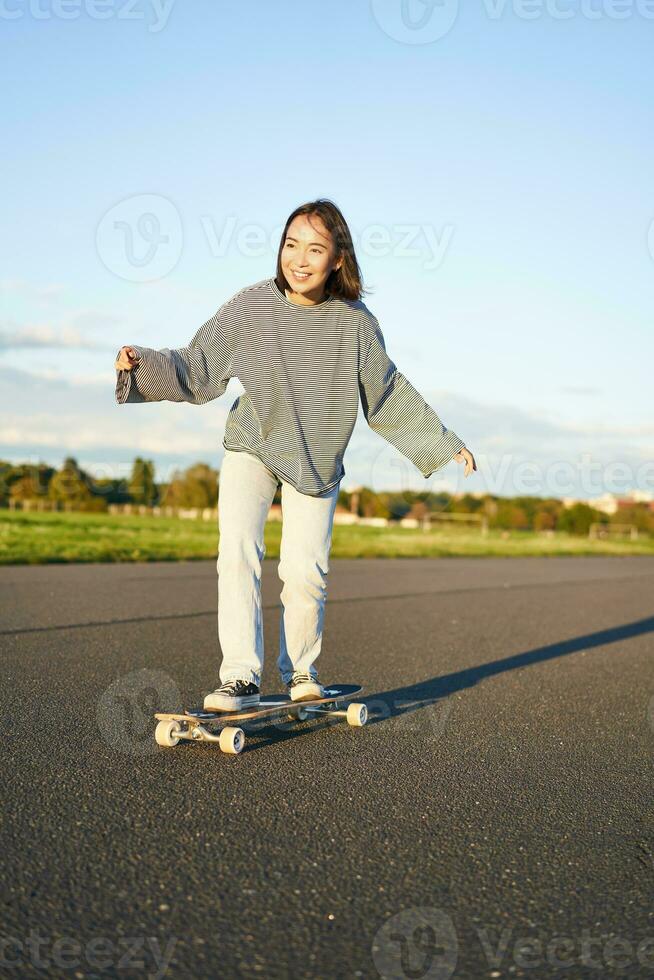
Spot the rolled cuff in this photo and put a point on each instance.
(126, 384)
(448, 447)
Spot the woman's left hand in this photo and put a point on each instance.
(465, 456)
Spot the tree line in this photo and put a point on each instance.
(197, 487)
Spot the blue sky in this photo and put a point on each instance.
(495, 166)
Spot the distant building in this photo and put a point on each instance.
(607, 503)
(637, 497)
(610, 503)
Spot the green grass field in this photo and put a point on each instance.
(39, 538)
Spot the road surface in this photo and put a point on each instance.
(493, 819)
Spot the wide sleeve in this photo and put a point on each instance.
(395, 410)
(196, 373)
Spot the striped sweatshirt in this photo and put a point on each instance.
(303, 369)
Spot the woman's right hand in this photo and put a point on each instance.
(127, 359)
(465, 456)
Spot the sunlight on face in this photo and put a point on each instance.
(308, 257)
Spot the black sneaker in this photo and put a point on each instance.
(304, 687)
(233, 695)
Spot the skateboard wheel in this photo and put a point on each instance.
(300, 715)
(167, 733)
(232, 740)
(357, 715)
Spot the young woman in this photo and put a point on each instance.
(305, 348)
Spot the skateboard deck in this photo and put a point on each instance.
(197, 724)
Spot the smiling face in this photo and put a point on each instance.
(308, 257)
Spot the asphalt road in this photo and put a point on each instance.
(493, 819)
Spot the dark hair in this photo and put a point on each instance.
(345, 282)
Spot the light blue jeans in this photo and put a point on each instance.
(246, 491)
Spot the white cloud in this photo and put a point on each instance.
(92, 320)
(104, 379)
(580, 390)
(45, 335)
(42, 294)
(69, 333)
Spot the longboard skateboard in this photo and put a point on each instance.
(198, 725)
